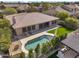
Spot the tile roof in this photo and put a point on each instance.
(73, 41)
(27, 19)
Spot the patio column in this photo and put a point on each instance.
(37, 27)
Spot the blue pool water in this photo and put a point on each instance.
(40, 40)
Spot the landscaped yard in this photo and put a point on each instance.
(60, 31)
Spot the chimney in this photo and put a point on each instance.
(13, 20)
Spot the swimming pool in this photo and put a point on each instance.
(39, 40)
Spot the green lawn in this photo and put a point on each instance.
(60, 31)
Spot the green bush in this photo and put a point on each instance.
(1, 16)
(5, 35)
(4, 23)
(72, 22)
(62, 15)
(10, 10)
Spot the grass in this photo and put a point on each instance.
(60, 31)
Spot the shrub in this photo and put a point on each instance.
(72, 22)
(62, 15)
(4, 23)
(5, 35)
(10, 10)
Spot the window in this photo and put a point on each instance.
(29, 28)
(40, 26)
(46, 24)
(24, 29)
(33, 27)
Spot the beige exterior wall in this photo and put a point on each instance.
(18, 31)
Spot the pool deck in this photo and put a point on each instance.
(25, 40)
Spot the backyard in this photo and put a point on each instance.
(60, 31)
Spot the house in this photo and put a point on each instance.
(30, 22)
(54, 10)
(22, 8)
(72, 43)
(72, 8)
(14, 5)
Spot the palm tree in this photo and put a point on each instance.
(55, 42)
(37, 50)
(30, 55)
(44, 48)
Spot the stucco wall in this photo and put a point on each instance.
(18, 31)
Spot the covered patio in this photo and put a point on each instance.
(33, 32)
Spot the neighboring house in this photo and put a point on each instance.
(72, 8)
(51, 11)
(19, 7)
(30, 22)
(22, 8)
(54, 10)
(15, 5)
(77, 14)
(11, 5)
(2, 6)
(72, 42)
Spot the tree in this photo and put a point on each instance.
(55, 42)
(4, 23)
(5, 35)
(73, 22)
(45, 5)
(30, 54)
(62, 15)
(49, 44)
(44, 48)
(1, 16)
(10, 11)
(37, 50)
